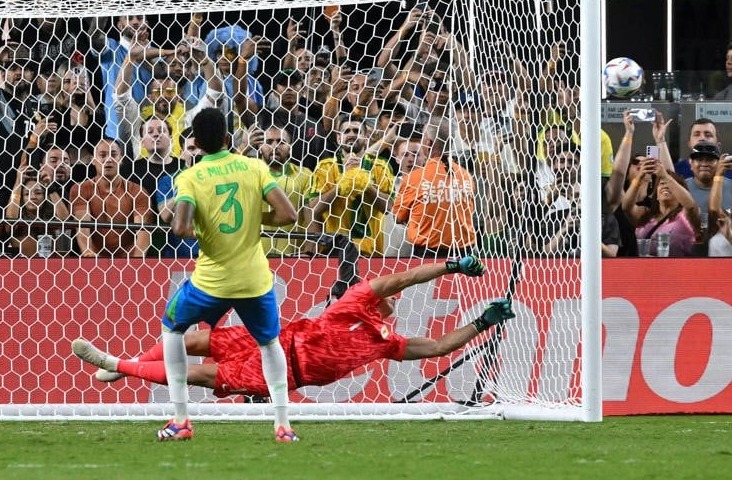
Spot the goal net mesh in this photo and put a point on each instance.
(443, 127)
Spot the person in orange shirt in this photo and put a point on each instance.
(437, 201)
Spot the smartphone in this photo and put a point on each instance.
(652, 151)
(643, 114)
(421, 5)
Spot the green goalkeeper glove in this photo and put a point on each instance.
(496, 313)
(469, 265)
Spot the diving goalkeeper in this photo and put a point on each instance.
(350, 333)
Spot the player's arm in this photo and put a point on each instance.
(182, 224)
(389, 285)
(420, 347)
(283, 213)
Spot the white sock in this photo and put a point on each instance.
(176, 369)
(274, 367)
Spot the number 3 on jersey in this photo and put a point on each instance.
(230, 189)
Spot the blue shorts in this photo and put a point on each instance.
(190, 305)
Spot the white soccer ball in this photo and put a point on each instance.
(622, 77)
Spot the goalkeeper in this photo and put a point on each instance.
(348, 334)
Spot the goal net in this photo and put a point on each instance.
(402, 132)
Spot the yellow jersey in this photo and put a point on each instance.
(348, 215)
(176, 120)
(226, 190)
(295, 181)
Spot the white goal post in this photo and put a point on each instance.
(486, 72)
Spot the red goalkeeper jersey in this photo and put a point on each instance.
(348, 335)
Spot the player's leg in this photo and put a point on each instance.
(153, 371)
(188, 306)
(261, 317)
(197, 344)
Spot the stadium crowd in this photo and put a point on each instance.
(413, 153)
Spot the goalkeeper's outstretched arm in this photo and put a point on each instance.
(389, 285)
(496, 314)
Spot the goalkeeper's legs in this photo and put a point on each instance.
(91, 354)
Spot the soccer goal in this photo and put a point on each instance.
(494, 83)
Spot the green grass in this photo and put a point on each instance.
(662, 447)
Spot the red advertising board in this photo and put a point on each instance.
(667, 334)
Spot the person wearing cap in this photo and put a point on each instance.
(701, 129)
(704, 160)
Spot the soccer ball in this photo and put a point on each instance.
(622, 77)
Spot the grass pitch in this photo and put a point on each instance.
(662, 447)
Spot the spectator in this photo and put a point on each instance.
(61, 112)
(109, 198)
(147, 172)
(157, 142)
(437, 201)
(718, 217)
(559, 224)
(132, 29)
(562, 234)
(720, 244)
(53, 37)
(308, 140)
(390, 117)
(625, 169)
(293, 180)
(409, 155)
(704, 160)
(55, 173)
(80, 114)
(726, 93)
(165, 200)
(14, 89)
(671, 210)
(317, 90)
(702, 129)
(299, 57)
(565, 111)
(359, 99)
(235, 53)
(351, 191)
(190, 153)
(164, 97)
(33, 206)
